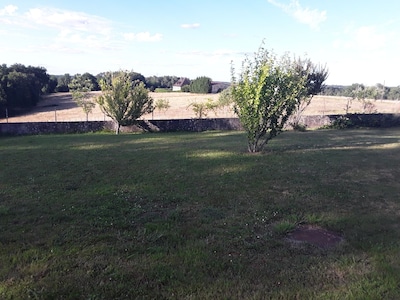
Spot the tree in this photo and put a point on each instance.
(394, 93)
(94, 86)
(201, 85)
(123, 100)
(80, 86)
(315, 76)
(364, 95)
(62, 83)
(265, 95)
(201, 109)
(51, 85)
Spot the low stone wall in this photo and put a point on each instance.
(192, 125)
(32, 128)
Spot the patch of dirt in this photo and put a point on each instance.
(316, 236)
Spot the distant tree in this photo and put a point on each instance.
(382, 91)
(394, 93)
(80, 86)
(185, 88)
(265, 95)
(315, 76)
(137, 77)
(63, 82)
(364, 95)
(3, 86)
(152, 83)
(51, 85)
(201, 85)
(123, 100)
(93, 80)
(163, 82)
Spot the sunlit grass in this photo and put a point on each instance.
(192, 215)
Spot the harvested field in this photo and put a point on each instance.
(60, 107)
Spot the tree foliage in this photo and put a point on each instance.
(123, 100)
(379, 91)
(21, 87)
(266, 94)
(63, 82)
(315, 76)
(364, 95)
(163, 82)
(80, 86)
(201, 109)
(201, 85)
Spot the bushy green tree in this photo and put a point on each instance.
(185, 88)
(21, 87)
(62, 83)
(94, 85)
(265, 95)
(394, 93)
(201, 109)
(201, 85)
(122, 100)
(315, 76)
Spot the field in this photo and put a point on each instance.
(60, 107)
(193, 216)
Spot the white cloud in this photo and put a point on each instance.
(364, 38)
(8, 10)
(310, 17)
(190, 26)
(65, 19)
(143, 37)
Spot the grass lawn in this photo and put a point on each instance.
(192, 215)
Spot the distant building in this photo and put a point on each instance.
(219, 86)
(180, 83)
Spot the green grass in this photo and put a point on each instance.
(193, 216)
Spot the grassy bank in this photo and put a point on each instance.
(100, 216)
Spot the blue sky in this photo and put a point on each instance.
(359, 41)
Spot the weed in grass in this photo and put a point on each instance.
(283, 227)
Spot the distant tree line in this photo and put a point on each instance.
(379, 91)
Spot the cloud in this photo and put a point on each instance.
(310, 17)
(142, 37)
(190, 26)
(65, 19)
(217, 55)
(365, 38)
(8, 10)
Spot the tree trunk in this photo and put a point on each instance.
(117, 129)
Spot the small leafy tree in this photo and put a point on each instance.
(265, 95)
(122, 100)
(201, 109)
(162, 105)
(364, 95)
(315, 76)
(80, 87)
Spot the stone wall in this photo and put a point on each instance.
(193, 125)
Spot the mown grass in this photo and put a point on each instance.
(193, 216)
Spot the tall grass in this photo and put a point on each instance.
(99, 216)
